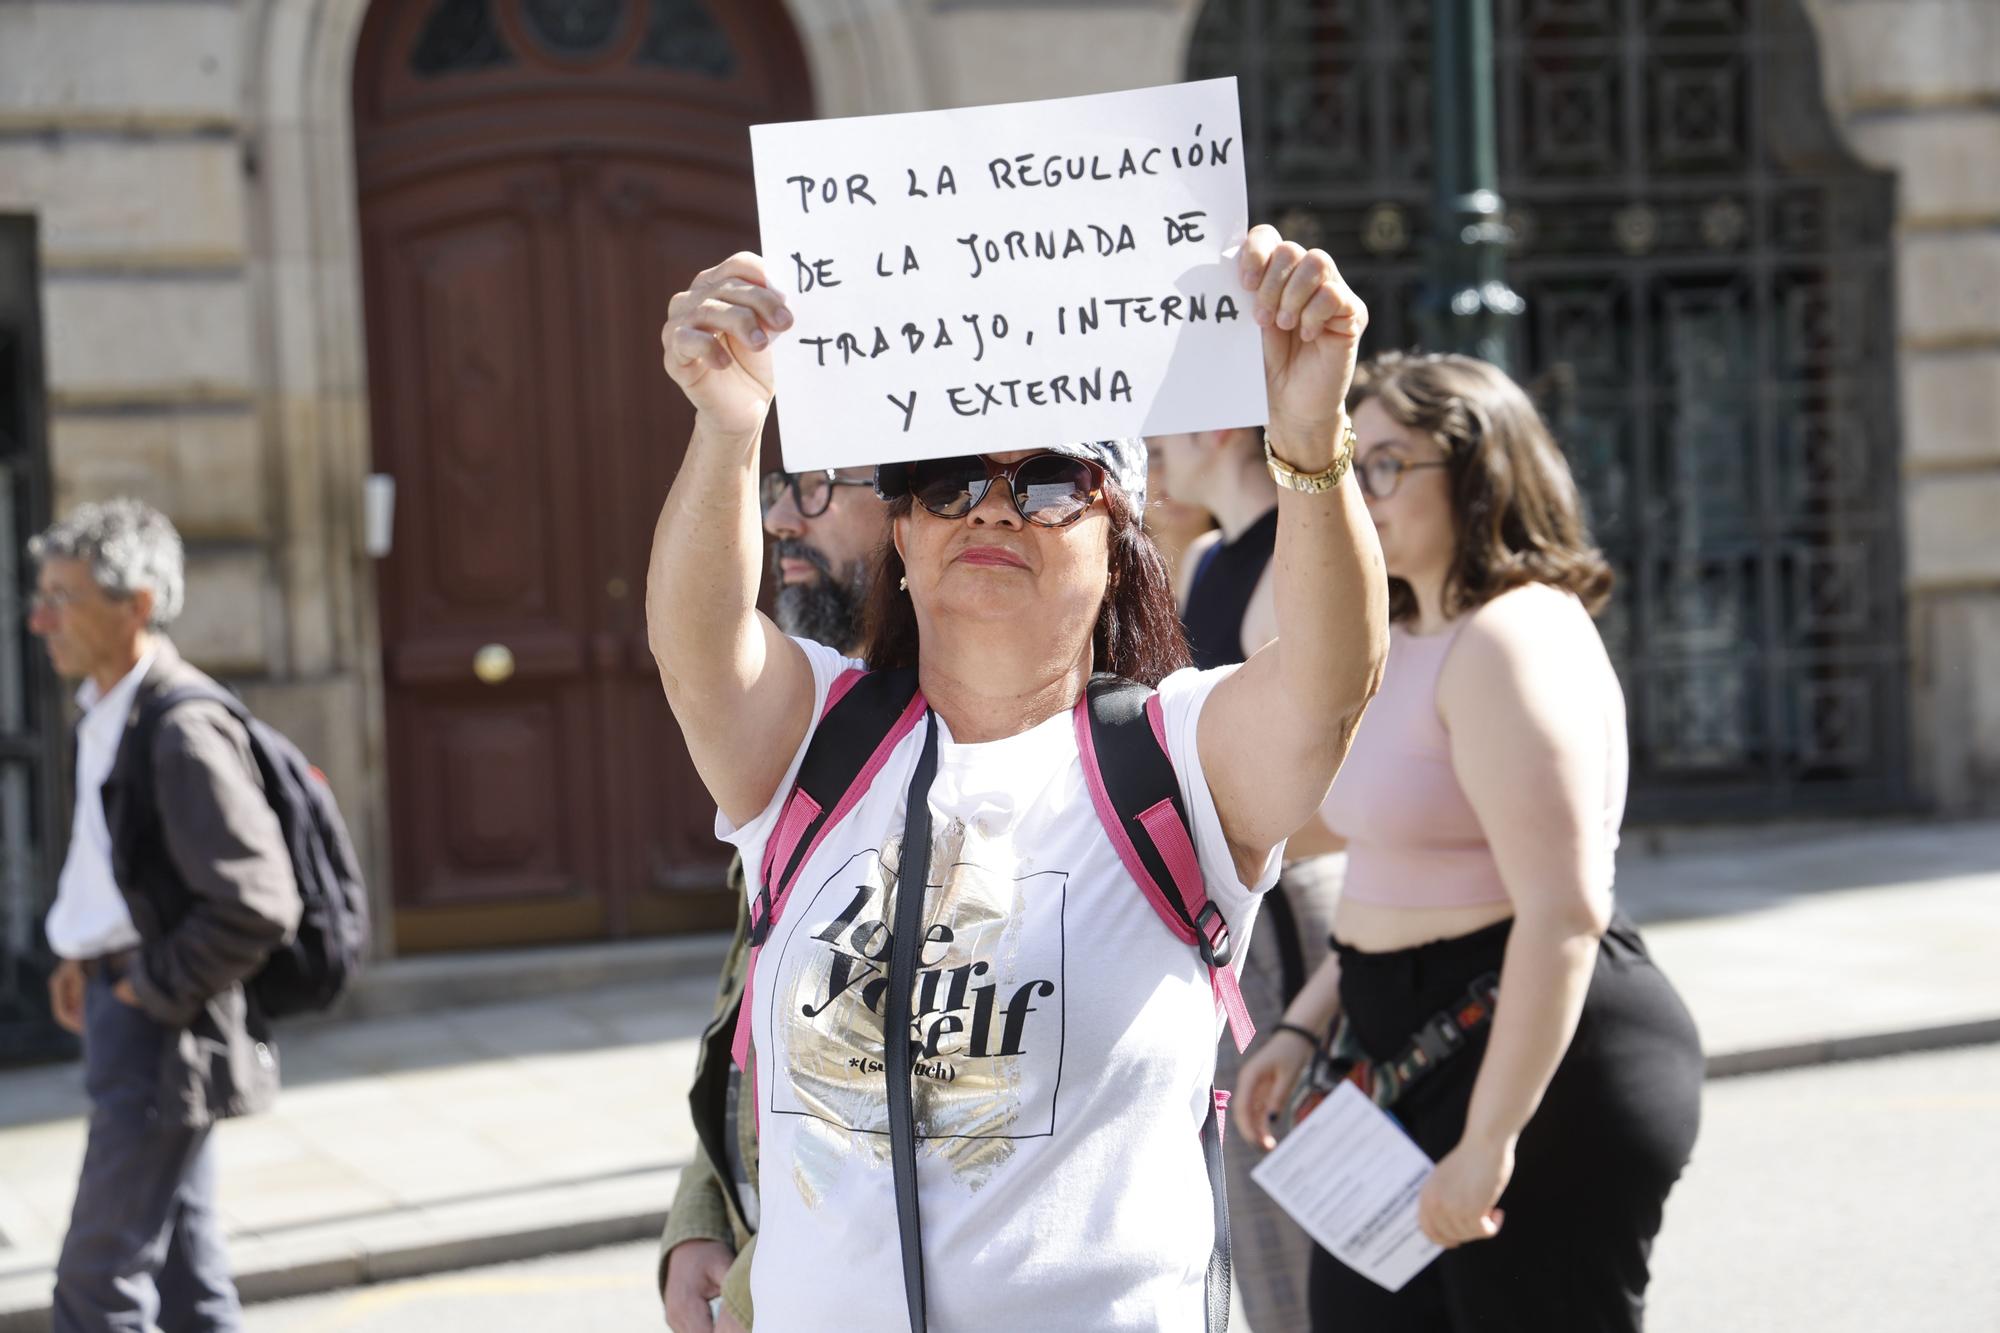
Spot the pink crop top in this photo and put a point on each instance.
(1413, 839)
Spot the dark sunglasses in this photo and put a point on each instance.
(1048, 490)
(811, 492)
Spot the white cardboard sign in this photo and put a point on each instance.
(1006, 277)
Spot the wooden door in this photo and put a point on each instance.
(536, 179)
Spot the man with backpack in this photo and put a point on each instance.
(178, 886)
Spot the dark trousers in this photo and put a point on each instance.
(1592, 1169)
(144, 1250)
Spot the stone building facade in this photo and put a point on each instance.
(206, 279)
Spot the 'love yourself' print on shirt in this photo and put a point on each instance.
(986, 1015)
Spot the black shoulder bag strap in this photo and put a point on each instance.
(913, 863)
(1138, 775)
(841, 747)
(847, 737)
(147, 725)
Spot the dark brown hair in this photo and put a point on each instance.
(1138, 633)
(1515, 506)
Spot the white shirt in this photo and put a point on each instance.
(89, 916)
(1068, 1047)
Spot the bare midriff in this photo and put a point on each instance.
(1378, 928)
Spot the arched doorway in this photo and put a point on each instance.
(535, 178)
(1709, 313)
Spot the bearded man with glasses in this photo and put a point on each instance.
(826, 529)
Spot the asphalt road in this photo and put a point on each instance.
(1860, 1198)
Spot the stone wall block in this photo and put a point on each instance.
(1956, 641)
(287, 160)
(1951, 530)
(1948, 284)
(161, 59)
(204, 470)
(339, 343)
(222, 629)
(1918, 50)
(1946, 160)
(1002, 55)
(176, 334)
(1951, 406)
(311, 611)
(128, 197)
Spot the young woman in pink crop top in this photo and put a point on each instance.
(1481, 802)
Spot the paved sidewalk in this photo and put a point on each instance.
(408, 1144)
(1827, 943)
(435, 1140)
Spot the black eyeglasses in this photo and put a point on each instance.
(811, 492)
(1048, 490)
(1381, 472)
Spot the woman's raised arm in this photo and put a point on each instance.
(1273, 734)
(741, 691)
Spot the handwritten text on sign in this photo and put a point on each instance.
(1007, 277)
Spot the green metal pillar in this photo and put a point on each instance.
(1468, 305)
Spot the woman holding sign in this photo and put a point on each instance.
(1029, 1152)
(1488, 993)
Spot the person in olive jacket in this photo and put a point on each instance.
(160, 914)
(826, 530)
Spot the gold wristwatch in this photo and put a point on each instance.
(1313, 483)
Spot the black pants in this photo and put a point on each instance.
(1592, 1169)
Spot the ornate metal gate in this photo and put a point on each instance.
(1709, 323)
(31, 808)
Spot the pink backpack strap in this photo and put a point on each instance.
(866, 715)
(1121, 735)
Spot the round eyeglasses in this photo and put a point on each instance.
(811, 492)
(1381, 472)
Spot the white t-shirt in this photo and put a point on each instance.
(89, 917)
(1069, 1043)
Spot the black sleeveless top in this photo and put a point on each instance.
(1220, 593)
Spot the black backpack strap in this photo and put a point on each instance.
(156, 708)
(1132, 763)
(1121, 732)
(1138, 797)
(913, 863)
(1127, 757)
(146, 725)
(139, 834)
(867, 713)
(845, 748)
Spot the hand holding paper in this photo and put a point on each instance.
(1312, 323)
(717, 344)
(1351, 1178)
